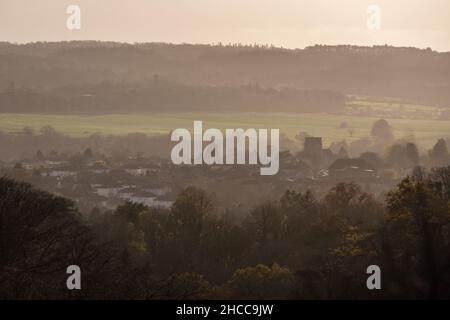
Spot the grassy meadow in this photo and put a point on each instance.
(330, 127)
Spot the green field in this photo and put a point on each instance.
(324, 125)
(386, 107)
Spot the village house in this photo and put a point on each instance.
(351, 169)
(157, 190)
(99, 167)
(61, 172)
(316, 155)
(136, 170)
(108, 191)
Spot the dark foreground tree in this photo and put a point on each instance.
(40, 236)
(416, 248)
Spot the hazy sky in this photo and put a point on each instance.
(288, 23)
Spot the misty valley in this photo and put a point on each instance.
(182, 171)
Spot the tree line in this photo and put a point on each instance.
(298, 246)
(411, 74)
(156, 96)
